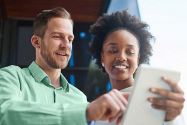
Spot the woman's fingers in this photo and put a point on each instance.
(165, 104)
(174, 85)
(170, 101)
(168, 94)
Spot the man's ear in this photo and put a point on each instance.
(36, 41)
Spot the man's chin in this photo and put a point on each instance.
(62, 66)
(59, 66)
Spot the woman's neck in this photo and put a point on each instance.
(121, 84)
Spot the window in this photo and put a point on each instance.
(167, 20)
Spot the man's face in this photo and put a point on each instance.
(56, 44)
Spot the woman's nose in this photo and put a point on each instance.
(121, 57)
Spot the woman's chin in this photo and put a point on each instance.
(121, 78)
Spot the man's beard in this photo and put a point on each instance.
(50, 60)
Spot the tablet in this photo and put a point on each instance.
(139, 110)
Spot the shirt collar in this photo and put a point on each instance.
(37, 72)
(39, 75)
(64, 83)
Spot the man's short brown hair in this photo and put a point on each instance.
(41, 20)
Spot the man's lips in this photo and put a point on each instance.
(62, 53)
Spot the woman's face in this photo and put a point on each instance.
(120, 55)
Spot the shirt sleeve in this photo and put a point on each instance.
(180, 120)
(15, 111)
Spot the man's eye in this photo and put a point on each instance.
(70, 40)
(56, 36)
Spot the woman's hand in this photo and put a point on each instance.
(170, 101)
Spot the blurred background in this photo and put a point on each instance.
(167, 20)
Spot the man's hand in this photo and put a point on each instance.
(171, 101)
(110, 106)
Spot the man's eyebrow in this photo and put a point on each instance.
(59, 33)
(56, 33)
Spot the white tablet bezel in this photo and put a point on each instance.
(139, 110)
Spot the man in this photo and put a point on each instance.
(39, 94)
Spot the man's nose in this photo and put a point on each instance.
(65, 43)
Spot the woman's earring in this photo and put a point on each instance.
(102, 64)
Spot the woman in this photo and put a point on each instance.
(122, 42)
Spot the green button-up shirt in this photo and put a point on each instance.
(27, 97)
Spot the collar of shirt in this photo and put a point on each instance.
(41, 77)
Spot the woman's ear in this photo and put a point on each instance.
(35, 40)
(138, 60)
(102, 63)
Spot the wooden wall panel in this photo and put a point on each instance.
(81, 10)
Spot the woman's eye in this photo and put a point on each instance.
(113, 50)
(130, 52)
